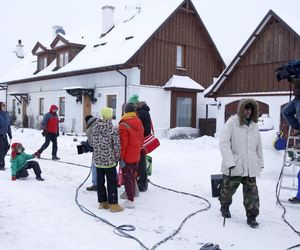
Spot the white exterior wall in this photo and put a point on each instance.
(3, 95)
(106, 83)
(274, 102)
(103, 83)
(159, 101)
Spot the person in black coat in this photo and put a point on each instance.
(142, 111)
(4, 129)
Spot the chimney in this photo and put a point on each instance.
(107, 19)
(58, 29)
(19, 49)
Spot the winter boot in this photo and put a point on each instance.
(55, 158)
(39, 178)
(294, 200)
(114, 208)
(251, 221)
(91, 188)
(129, 204)
(225, 211)
(103, 205)
(143, 187)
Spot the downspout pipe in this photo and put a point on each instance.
(125, 87)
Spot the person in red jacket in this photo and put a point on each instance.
(132, 137)
(50, 131)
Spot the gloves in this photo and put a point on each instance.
(10, 136)
(122, 163)
(37, 155)
(44, 132)
(57, 134)
(13, 178)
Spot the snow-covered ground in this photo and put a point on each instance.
(44, 215)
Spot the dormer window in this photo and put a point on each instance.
(44, 56)
(180, 56)
(42, 62)
(63, 58)
(65, 50)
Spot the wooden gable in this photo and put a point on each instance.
(272, 44)
(59, 42)
(38, 49)
(184, 27)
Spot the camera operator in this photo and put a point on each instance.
(291, 111)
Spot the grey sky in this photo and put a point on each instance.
(229, 22)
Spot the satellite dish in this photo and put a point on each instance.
(61, 31)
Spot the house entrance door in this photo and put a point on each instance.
(87, 109)
(24, 114)
(183, 109)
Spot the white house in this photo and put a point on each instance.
(162, 52)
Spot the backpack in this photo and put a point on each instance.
(279, 143)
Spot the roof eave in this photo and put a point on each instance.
(71, 73)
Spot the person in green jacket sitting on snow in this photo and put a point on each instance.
(20, 164)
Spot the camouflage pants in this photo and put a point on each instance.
(250, 193)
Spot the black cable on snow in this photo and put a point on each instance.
(66, 162)
(119, 230)
(122, 229)
(186, 218)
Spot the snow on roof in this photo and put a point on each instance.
(183, 82)
(75, 87)
(115, 48)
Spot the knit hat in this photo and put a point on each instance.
(106, 113)
(134, 99)
(129, 107)
(87, 118)
(16, 148)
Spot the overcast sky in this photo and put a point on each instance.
(229, 22)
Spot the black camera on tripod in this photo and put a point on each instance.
(288, 71)
(84, 147)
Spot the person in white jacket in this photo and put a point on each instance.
(242, 159)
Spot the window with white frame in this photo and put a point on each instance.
(180, 56)
(111, 102)
(61, 108)
(41, 106)
(63, 58)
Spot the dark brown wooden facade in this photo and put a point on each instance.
(158, 56)
(274, 45)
